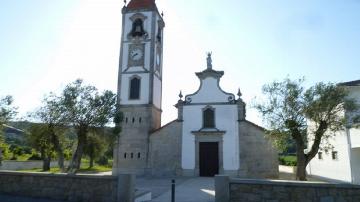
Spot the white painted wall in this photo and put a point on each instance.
(209, 92)
(157, 92)
(356, 164)
(333, 169)
(225, 119)
(355, 137)
(125, 88)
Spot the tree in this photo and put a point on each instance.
(84, 108)
(291, 112)
(7, 112)
(51, 114)
(95, 146)
(40, 140)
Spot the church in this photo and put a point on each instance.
(210, 135)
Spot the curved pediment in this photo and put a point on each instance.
(209, 90)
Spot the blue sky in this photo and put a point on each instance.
(46, 44)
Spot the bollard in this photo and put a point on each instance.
(172, 190)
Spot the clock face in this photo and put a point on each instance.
(136, 54)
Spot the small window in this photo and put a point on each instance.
(124, 155)
(140, 120)
(209, 118)
(126, 119)
(334, 155)
(135, 88)
(132, 155)
(320, 155)
(138, 155)
(133, 120)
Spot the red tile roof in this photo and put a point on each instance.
(138, 4)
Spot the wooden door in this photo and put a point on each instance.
(209, 158)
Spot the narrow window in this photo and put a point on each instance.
(320, 155)
(138, 155)
(132, 155)
(140, 120)
(209, 118)
(334, 155)
(135, 88)
(133, 120)
(126, 120)
(124, 155)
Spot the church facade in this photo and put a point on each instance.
(210, 135)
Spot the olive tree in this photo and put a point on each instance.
(290, 108)
(84, 108)
(51, 115)
(7, 112)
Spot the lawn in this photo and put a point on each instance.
(84, 168)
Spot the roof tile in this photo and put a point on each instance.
(138, 4)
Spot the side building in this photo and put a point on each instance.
(341, 162)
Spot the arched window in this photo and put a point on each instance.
(209, 118)
(135, 88)
(137, 28)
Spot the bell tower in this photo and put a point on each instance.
(139, 84)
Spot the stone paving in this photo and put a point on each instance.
(190, 190)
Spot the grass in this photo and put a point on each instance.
(84, 168)
(288, 160)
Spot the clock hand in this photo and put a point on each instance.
(135, 54)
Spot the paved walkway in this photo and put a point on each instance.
(190, 190)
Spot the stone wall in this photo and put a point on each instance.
(235, 190)
(258, 157)
(132, 150)
(165, 150)
(68, 187)
(26, 165)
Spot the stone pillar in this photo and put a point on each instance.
(179, 106)
(222, 188)
(126, 188)
(241, 106)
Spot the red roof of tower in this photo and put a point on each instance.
(138, 4)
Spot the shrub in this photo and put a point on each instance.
(288, 160)
(103, 161)
(35, 156)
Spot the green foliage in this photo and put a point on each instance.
(103, 161)
(87, 110)
(7, 111)
(290, 107)
(288, 160)
(35, 156)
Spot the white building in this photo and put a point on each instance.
(211, 134)
(342, 163)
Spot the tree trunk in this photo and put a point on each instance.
(46, 160)
(301, 165)
(76, 159)
(91, 161)
(59, 151)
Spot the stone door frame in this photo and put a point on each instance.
(207, 136)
